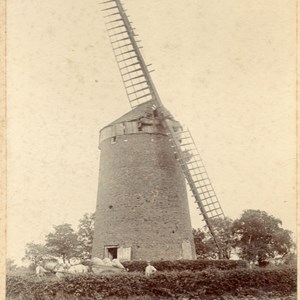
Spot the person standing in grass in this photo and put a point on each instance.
(149, 269)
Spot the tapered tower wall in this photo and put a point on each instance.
(142, 202)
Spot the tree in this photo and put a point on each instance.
(35, 252)
(204, 248)
(205, 244)
(260, 237)
(63, 242)
(10, 265)
(85, 235)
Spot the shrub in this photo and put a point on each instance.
(183, 265)
(200, 284)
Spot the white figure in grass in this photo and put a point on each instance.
(149, 269)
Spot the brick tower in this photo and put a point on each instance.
(142, 207)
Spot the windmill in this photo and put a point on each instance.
(142, 210)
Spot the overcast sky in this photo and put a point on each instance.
(226, 69)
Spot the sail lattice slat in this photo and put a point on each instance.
(196, 175)
(133, 70)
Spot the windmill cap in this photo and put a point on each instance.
(139, 111)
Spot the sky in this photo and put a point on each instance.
(226, 69)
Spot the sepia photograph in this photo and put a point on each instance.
(151, 149)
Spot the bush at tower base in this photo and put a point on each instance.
(162, 285)
(183, 265)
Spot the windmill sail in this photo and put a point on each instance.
(198, 180)
(134, 71)
(140, 88)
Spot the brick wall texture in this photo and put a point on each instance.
(142, 201)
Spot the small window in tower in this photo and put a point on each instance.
(113, 140)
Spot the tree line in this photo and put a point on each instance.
(255, 237)
(64, 242)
